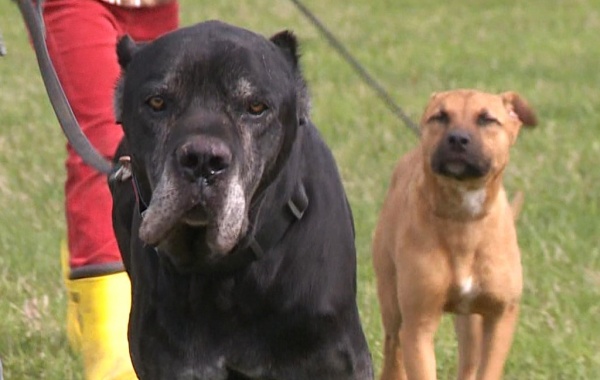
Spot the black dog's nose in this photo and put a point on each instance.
(203, 158)
(458, 140)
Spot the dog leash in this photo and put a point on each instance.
(122, 172)
(358, 68)
(64, 113)
(80, 143)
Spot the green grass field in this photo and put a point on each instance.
(547, 50)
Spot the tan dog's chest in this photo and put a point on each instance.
(473, 267)
(483, 276)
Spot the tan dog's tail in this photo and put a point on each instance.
(517, 204)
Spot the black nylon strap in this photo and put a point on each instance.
(60, 104)
(358, 68)
(273, 231)
(254, 246)
(257, 243)
(122, 172)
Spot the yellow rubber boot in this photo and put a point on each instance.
(97, 318)
(73, 328)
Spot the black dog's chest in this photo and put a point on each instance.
(197, 332)
(216, 329)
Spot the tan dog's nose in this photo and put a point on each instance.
(458, 140)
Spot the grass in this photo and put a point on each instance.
(546, 50)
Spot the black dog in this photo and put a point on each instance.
(236, 233)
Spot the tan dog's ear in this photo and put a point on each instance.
(520, 107)
(424, 116)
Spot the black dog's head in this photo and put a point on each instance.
(210, 113)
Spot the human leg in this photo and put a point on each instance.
(82, 36)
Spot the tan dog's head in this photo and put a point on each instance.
(466, 134)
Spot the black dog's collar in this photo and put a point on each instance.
(256, 243)
(121, 172)
(275, 228)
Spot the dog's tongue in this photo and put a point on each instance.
(167, 206)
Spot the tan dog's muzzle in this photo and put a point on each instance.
(459, 155)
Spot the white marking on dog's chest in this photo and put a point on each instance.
(467, 293)
(466, 286)
(473, 200)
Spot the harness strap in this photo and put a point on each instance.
(255, 245)
(273, 231)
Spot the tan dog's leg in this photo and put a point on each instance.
(417, 334)
(497, 339)
(393, 367)
(469, 333)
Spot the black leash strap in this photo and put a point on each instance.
(360, 70)
(62, 109)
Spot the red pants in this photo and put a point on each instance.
(82, 37)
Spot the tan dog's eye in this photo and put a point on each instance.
(485, 119)
(439, 117)
(257, 108)
(157, 103)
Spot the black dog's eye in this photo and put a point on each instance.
(439, 117)
(484, 119)
(157, 103)
(257, 108)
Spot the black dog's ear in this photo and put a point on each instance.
(118, 99)
(286, 41)
(126, 48)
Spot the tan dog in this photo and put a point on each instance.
(446, 239)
